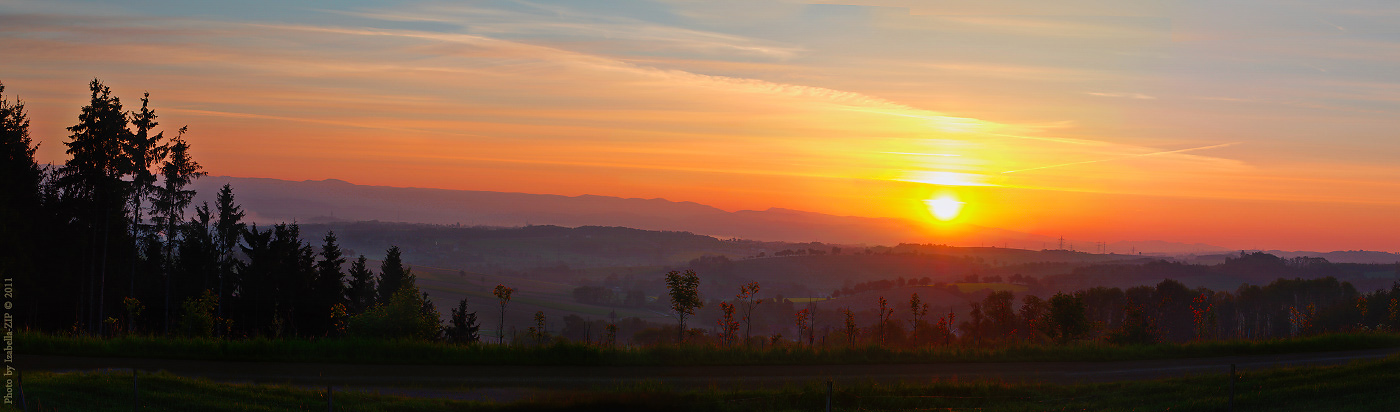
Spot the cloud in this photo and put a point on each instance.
(1139, 96)
(503, 92)
(563, 25)
(1159, 153)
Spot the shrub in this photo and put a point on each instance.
(198, 318)
(402, 317)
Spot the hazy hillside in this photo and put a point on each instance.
(1343, 256)
(593, 253)
(272, 200)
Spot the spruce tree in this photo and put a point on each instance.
(171, 198)
(393, 275)
(144, 151)
(21, 214)
(19, 174)
(330, 281)
(226, 233)
(361, 291)
(92, 187)
(464, 328)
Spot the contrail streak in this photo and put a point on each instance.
(1124, 157)
(923, 154)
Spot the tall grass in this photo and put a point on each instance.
(1360, 386)
(355, 350)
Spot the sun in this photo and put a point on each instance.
(945, 207)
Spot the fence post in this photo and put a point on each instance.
(330, 400)
(828, 396)
(1232, 387)
(135, 394)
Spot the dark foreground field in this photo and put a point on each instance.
(445, 378)
(65, 373)
(1365, 385)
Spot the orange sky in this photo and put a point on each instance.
(1248, 125)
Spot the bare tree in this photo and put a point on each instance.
(503, 293)
(748, 302)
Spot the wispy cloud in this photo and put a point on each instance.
(1160, 153)
(1138, 96)
(557, 24)
(1062, 98)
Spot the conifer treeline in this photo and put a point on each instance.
(102, 244)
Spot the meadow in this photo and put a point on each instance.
(376, 351)
(1359, 386)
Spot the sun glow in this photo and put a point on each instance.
(945, 207)
(945, 178)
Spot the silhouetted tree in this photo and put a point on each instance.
(227, 231)
(171, 198)
(361, 291)
(21, 214)
(538, 331)
(427, 308)
(883, 319)
(92, 186)
(196, 264)
(502, 294)
(727, 325)
(392, 274)
(144, 151)
(1067, 314)
(684, 289)
(748, 300)
(330, 281)
(463, 328)
(1137, 327)
(802, 319)
(917, 310)
(1034, 316)
(277, 276)
(1000, 317)
(19, 174)
(852, 329)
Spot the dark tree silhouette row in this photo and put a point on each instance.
(102, 244)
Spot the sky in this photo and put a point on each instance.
(1243, 124)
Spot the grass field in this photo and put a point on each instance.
(1360, 386)
(371, 351)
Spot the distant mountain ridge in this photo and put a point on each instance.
(1341, 256)
(273, 200)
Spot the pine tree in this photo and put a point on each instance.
(171, 198)
(92, 187)
(144, 151)
(393, 275)
(329, 285)
(21, 214)
(277, 277)
(226, 233)
(464, 328)
(360, 294)
(19, 174)
(197, 259)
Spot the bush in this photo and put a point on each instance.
(198, 318)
